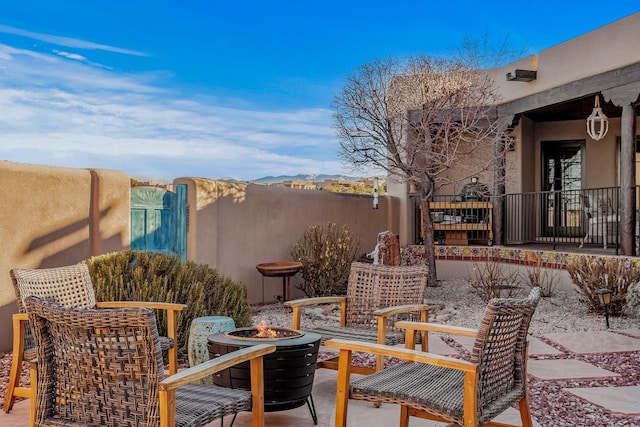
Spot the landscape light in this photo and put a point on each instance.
(604, 296)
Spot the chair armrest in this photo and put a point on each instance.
(402, 353)
(169, 306)
(407, 308)
(254, 355)
(212, 366)
(313, 301)
(436, 327)
(297, 305)
(20, 317)
(384, 313)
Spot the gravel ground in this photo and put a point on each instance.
(562, 312)
(551, 404)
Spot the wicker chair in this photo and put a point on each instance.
(70, 286)
(376, 295)
(104, 367)
(465, 393)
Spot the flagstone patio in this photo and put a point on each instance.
(572, 382)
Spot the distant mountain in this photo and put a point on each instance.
(299, 177)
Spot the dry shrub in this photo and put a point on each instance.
(591, 273)
(537, 276)
(633, 296)
(490, 280)
(326, 252)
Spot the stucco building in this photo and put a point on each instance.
(546, 99)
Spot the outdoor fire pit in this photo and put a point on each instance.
(288, 372)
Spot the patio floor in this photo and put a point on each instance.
(572, 382)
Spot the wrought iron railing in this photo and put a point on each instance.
(576, 217)
(588, 218)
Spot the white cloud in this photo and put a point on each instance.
(71, 113)
(67, 41)
(69, 55)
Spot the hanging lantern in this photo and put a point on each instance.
(597, 122)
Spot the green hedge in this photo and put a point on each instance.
(148, 276)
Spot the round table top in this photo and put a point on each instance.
(224, 339)
(279, 268)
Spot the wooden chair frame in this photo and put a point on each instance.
(124, 343)
(81, 289)
(375, 295)
(471, 388)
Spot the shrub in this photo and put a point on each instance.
(633, 296)
(326, 252)
(590, 274)
(148, 276)
(536, 276)
(489, 280)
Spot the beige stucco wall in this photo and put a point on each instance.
(53, 216)
(520, 175)
(234, 227)
(599, 157)
(603, 49)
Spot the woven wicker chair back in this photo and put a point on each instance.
(500, 350)
(371, 287)
(96, 366)
(69, 286)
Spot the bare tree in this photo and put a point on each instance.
(428, 121)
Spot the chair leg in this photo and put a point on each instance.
(33, 377)
(172, 357)
(14, 378)
(525, 413)
(16, 364)
(342, 390)
(404, 416)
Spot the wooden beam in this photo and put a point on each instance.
(576, 89)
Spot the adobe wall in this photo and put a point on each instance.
(235, 226)
(54, 216)
(600, 157)
(610, 47)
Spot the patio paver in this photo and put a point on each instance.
(558, 369)
(536, 346)
(634, 332)
(622, 400)
(595, 342)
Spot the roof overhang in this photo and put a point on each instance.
(574, 100)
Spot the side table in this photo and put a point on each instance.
(200, 329)
(284, 269)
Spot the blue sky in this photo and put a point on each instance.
(164, 89)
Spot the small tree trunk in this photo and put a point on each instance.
(429, 245)
(499, 192)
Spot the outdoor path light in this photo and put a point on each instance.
(604, 296)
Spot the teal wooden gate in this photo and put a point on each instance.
(159, 220)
